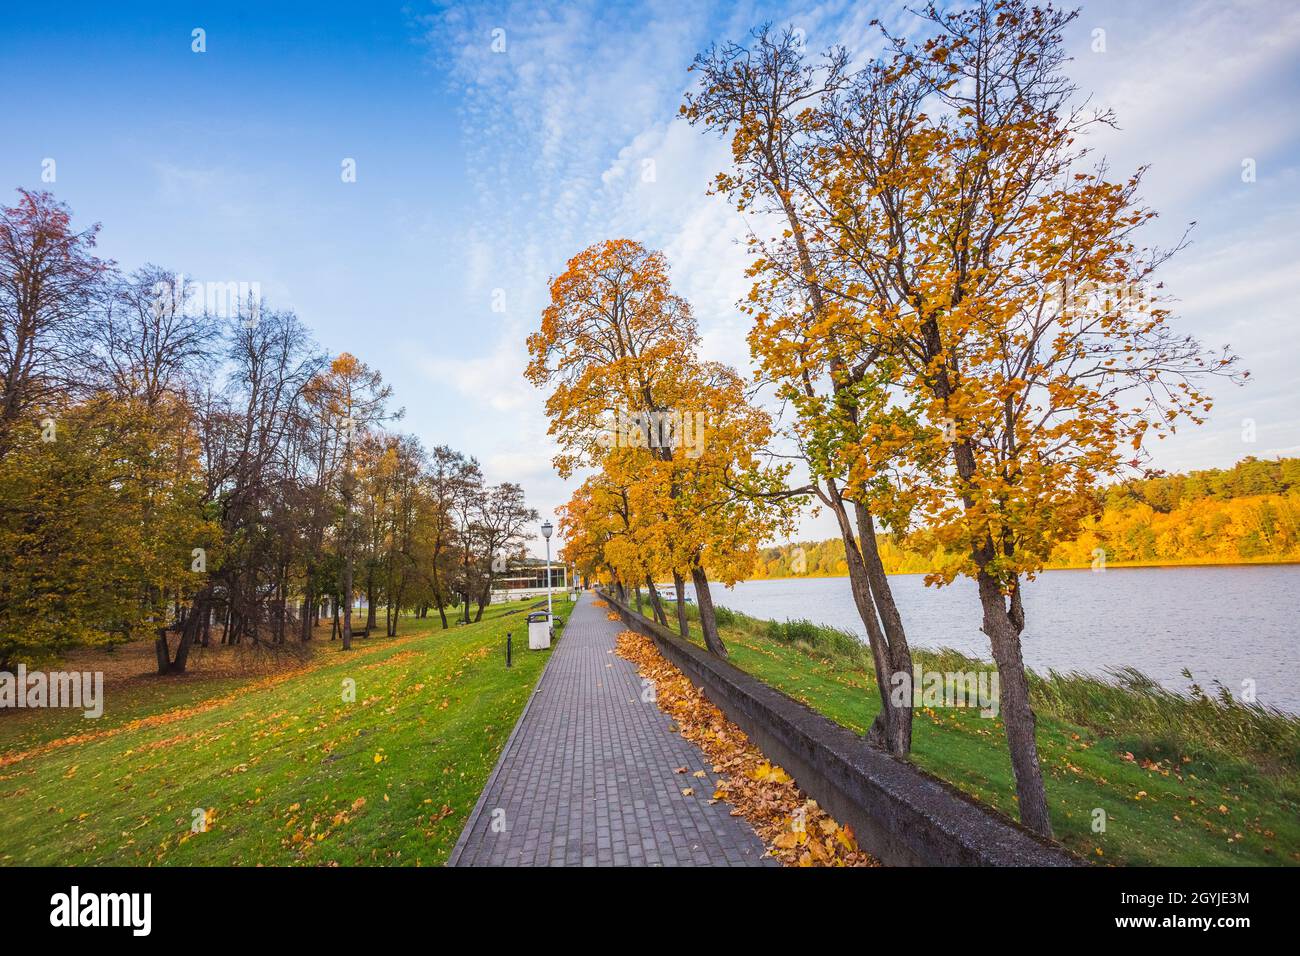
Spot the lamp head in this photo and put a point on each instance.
(546, 530)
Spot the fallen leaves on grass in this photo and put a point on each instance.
(154, 720)
(797, 831)
(183, 713)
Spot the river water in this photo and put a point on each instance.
(1227, 624)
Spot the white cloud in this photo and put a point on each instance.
(559, 129)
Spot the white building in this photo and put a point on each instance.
(526, 580)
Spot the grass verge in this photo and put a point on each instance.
(1188, 781)
(283, 768)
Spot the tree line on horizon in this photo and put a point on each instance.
(1249, 513)
(183, 474)
(951, 307)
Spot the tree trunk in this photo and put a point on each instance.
(898, 729)
(193, 621)
(370, 599)
(1017, 715)
(442, 611)
(683, 624)
(636, 591)
(162, 652)
(892, 726)
(309, 608)
(708, 619)
(346, 601)
(656, 605)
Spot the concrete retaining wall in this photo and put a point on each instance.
(900, 814)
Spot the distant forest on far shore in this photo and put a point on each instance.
(1247, 513)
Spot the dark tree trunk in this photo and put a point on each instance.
(168, 664)
(899, 654)
(637, 592)
(309, 608)
(683, 624)
(370, 599)
(655, 604)
(892, 727)
(346, 600)
(162, 652)
(708, 619)
(442, 612)
(1017, 714)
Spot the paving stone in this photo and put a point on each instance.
(587, 776)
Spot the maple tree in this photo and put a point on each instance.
(763, 96)
(985, 288)
(675, 437)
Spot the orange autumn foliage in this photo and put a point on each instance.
(797, 831)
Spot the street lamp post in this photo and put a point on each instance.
(546, 533)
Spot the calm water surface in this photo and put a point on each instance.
(1225, 624)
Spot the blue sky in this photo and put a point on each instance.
(480, 172)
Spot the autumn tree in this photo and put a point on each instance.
(97, 521)
(321, 439)
(584, 527)
(993, 274)
(165, 469)
(404, 463)
(718, 497)
(763, 95)
(450, 479)
(470, 570)
(615, 343)
(359, 400)
(246, 434)
(503, 524)
(50, 281)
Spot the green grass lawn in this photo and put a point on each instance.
(286, 770)
(1180, 783)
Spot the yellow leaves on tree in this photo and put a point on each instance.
(674, 439)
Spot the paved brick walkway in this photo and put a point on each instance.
(586, 778)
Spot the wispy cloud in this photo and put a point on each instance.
(570, 129)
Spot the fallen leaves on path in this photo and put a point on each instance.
(796, 830)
